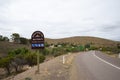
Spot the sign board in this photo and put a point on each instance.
(37, 40)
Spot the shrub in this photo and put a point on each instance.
(31, 58)
(5, 63)
(87, 46)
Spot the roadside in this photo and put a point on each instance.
(50, 70)
(111, 54)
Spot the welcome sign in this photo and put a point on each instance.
(37, 40)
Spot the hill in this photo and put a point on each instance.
(5, 47)
(99, 42)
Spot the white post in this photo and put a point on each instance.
(119, 55)
(63, 59)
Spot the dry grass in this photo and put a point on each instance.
(5, 47)
(99, 42)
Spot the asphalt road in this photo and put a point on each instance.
(95, 65)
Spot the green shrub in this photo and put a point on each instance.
(31, 58)
(5, 63)
(93, 48)
(87, 46)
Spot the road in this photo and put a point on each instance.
(95, 65)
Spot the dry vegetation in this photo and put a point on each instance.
(5, 47)
(98, 42)
(72, 44)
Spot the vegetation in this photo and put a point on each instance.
(5, 63)
(20, 54)
(23, 40)
(18, 58)
(15, 37)
(4, 38)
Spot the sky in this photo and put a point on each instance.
(61, 18)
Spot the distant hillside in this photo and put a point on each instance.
(5, 47)
(99, 42)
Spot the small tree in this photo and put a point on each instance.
(18, 62)
(23, 40)
(87, 46)
(15, 37)
(4, 38)
(1, 37)
(118, 45)
(46, 44)
(6, 63)
(81, 48)
(31, 58)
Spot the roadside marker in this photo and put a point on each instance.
(63, 59)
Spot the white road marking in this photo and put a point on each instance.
(106, 62)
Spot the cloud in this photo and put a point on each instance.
(61, 18)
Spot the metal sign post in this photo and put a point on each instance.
(37, 42)
(38, 69)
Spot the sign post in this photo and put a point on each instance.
(37, 42)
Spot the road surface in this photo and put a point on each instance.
(95, 65)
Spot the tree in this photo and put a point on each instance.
(4, 38)
(18, 62)
(31, 58)
(81, 48)
(87, 46)
(15, 37)
(23, 40)
(5, 63)
(18, 58)
(118, 45)
(1, 37)
(24, 56)
(46, 44)
(18, 51)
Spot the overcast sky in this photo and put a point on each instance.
(61, 18)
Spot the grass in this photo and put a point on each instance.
(98, 42)
(111, 54)
(5, 47)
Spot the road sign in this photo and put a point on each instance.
(37, 40)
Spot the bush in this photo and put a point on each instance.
(58, 51)
(21, 57)
(46, 44)
(31, 58)
(22, 51)
(45, 51)
(18, 62)
(118, 45)
(87, 46)
(75, 49)
(81, 48)
(93, 48)
(23, 40)
(5, 63)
